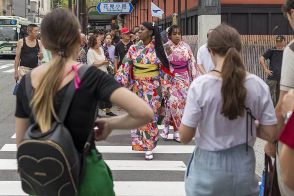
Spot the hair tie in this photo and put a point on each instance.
(61, 52)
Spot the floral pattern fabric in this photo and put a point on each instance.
(179, 84)
(148, 88)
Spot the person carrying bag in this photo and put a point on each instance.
(55, 117)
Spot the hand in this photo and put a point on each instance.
(168, 49)
(16, 75)
(102, 129)
(288, 102)
(268, 72)
(40, 55)
(270, 149)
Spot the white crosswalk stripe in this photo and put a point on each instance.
(9, 71)
(7, 68)
(121, 165)
(122, 188)
(163, 149)
(125, 186)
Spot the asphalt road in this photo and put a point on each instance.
(133, 176)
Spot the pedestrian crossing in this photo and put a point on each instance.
(133, 176)
(131, 188)
(6, 67)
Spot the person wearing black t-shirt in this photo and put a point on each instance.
(114, 32)
(122, 47)
(273, 70)
(50, 83)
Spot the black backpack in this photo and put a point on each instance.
(49, 163)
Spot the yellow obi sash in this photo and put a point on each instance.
(145, 70)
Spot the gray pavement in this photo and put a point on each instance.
(132, 175)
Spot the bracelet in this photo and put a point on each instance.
(287, 116)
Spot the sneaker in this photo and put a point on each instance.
(148, 155)
(110, 114)
(164, 133)
(177, 137)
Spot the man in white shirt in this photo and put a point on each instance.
(204, 58)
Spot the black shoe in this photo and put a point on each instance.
(110, 114)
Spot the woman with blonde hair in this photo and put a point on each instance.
(50, 82)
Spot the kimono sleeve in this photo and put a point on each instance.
(192, 113)
(165, 80)
(123, 75)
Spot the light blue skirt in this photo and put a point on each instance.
(229, 172)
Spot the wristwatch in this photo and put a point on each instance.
(287, 116)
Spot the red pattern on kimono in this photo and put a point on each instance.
(185, 69)
(147, 88)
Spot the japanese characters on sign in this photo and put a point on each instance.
(114, 8)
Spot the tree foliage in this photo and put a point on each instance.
(59, 3)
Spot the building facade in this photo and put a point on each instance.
(33, 10)
(6, 7)
(250, 17)
(38, 9)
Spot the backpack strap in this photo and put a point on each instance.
(249, 117)
(70, 93)
(68, 96)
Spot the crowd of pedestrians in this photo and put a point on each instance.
(211, 99)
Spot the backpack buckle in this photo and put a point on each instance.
(87, 145)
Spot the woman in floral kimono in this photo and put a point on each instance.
(184, 68)
(143, 71)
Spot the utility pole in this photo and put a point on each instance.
(25, 8)
(38, 11)
(82, 14)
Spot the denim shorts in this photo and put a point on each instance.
(228, 172)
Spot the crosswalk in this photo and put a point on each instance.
(133, 176)
(6, 66)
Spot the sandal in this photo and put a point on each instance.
(164, 133)
(148, 155)
(177, 137)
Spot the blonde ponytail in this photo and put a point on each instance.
(60, 35)
(43, 99)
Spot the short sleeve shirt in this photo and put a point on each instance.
(121, 50)
(204, 58)
(275, 57)
(95, 85)
(215, 131)
(287, 78)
